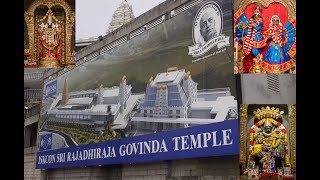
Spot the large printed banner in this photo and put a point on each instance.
(214, 139)
(128, 103)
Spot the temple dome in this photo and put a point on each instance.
(121, 16)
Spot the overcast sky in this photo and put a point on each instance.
(93, 16)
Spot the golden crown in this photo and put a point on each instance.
(268, 112)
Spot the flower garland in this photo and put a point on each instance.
(276, 141)
(47, 14)
(276, 30)
(248, 44)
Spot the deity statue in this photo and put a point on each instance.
(50, 38)
(268, 147)
(249, 34)
(280, 40)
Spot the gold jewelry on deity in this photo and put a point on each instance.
(257, 149)
(276, 142)
(267, 144)
(268, 112)
(267, 134)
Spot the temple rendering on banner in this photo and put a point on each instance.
(172, 101)
(90, 110)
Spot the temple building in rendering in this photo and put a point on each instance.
(173, 101)
(90, 107)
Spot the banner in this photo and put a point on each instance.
(51, 89)
(216, 139)
(146, 84)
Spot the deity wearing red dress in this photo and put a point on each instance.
(49, 36)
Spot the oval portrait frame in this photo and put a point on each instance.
(197, 19)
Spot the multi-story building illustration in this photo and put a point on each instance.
(173, 101)
(90, 107)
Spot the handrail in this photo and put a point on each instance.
(32, 93)
(33, 76)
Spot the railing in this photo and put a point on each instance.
(34, 110)
(33, 94)
(33, 76)
(184, 7)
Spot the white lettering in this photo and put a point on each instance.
(135, 147)
(113, 153)
(80, 155)
(104, 153)
(195, 141)
(69, 156)
(61, 157)
(176, 144)
(155, 146)
(90, 154)
(214, 139)
(94, 154)
(46, 159)
(185, 144)
(226, 137)
(163, 146)
(122, 151)
(129, 149)
(147, 146)
(141, 149)
(75, 156)
(98, 153)
(85, 154)
(206, 138)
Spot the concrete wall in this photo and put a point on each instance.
(255, 89)
(83, 173)
(218, 168)
(30, 173)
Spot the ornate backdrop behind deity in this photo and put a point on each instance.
(248, 121)
(274, 8)
(50, 33)
(262, 39)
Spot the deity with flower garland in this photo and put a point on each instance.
(281, 39)
(268, 147)
(266, 42)
(250, 36)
